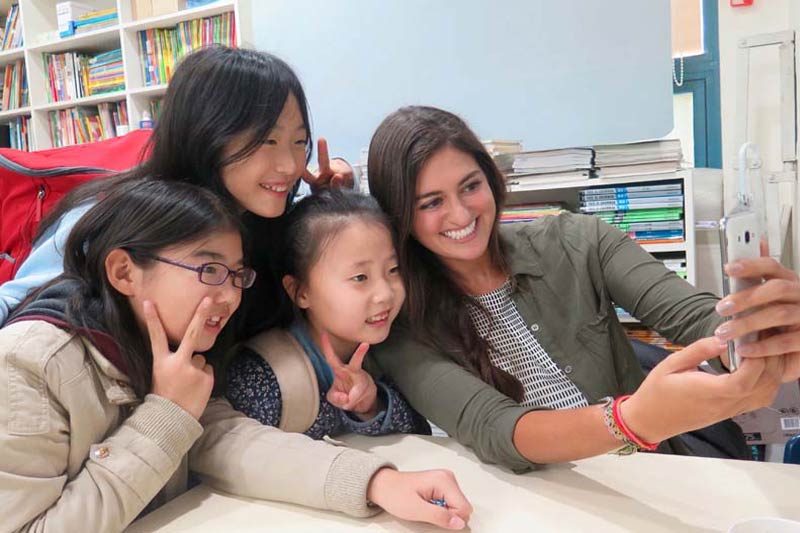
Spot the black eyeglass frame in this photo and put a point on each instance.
(237, 274)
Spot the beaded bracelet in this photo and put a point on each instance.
(617, 427)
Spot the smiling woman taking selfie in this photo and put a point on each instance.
(510, 342)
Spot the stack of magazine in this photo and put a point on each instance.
(638, 158)
(532, 168)
(649, 214)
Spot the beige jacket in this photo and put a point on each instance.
(79, 451)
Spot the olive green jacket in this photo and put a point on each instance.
(566, 272)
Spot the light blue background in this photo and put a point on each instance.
(553, 73)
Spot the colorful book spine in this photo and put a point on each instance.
(163, 48)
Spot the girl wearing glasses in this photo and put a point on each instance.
(102, 408)
(108, 391)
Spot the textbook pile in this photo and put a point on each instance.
(548, 166)
(75, 18)
(649, 214)
(638, 158)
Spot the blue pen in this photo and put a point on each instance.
(440, 503)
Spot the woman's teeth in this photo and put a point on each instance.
(457, 235)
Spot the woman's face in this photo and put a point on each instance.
(177, 292)
(454, 208)
(262, 181)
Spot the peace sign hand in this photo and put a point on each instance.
(183, 376)
(353, 388)
(331, 172)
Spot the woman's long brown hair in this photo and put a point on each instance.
(437, 307)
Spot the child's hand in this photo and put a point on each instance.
(183, 376)
(331, 173)
(353, 388)
(408, 495)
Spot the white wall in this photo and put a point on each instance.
(550, 73)
(764, 16)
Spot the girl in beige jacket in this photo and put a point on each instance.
(104, 398)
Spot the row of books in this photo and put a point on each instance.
(18, 137)
(12, 30)
(649, 214)
(73, 75)
(15, 86)
(651, 337)
(78, 125)
(162, 48)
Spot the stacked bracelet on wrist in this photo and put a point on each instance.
(617, 427)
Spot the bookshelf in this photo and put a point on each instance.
(567, 192)
(39, 27)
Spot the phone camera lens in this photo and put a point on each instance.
(746, 236)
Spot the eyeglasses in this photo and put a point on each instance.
(216, 273)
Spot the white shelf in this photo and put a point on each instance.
(9, 56)
(665, 247)
(596, 182)
(567, 193)
(104, 38)
(149, 92)
(14, 113)
(39, 21)
(164, 21)
(88, 100)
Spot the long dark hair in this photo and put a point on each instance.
(437, 308)
(144, 217)
(316, 219)
(216, 94)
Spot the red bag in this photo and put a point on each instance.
(32, 183)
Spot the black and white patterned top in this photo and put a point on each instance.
(514, 348)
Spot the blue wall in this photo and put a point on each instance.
(553, 73)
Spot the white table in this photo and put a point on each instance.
(643, 492)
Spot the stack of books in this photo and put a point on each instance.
(12, 31)
(637, 159)
(649, 214)
(532, 211)
(73, 75)
(105, 73)
(162, 48)
(95, 20)
(15, 87)
(503, 152)
(533, 168)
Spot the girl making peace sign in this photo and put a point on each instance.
(100, 418)
(341, 273)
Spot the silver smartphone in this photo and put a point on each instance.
(740, 236)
